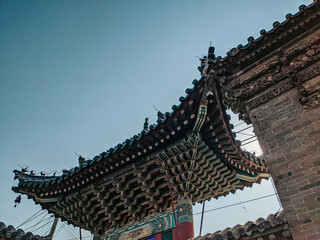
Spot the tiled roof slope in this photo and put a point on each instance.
(10, 233)
(280, 34)
(194, 141)
(273, 227)
(192, 94)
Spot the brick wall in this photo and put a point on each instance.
(290, 138)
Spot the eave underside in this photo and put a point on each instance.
(193, 154)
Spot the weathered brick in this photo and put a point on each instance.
(291, 140)
(283, 133)
(314, 237)
(301, 125)
(310, 186)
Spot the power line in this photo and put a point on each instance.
(59, 229)
(42, 231)
(235, 204)
(248, 139)
(73, 230)
(243, 129)
(247, 134)
(45, 224)
(249, 142)
(77, 238)
(244, 208)
(239, 124)
(34, 225)
(276, 192)
(31, 218)
(46, 230)
(68, 231)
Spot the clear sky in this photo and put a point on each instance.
(80, 76)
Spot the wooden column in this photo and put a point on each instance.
(184, 229)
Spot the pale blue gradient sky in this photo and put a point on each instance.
(81, 76)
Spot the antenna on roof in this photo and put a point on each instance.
(160, 114)
(155, 108)
(78, 155)
(24, 168)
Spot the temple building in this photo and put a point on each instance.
(189, 156)
(144, 187)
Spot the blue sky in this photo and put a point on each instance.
(80, 76)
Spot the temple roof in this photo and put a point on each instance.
(191, 151)
(273, 59)
(277, 36)
(273, 227)
(10, 233)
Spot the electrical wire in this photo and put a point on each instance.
(239, 124)
(31, 218)
(276, 192)
(40, 221)
(249, 142)
(247, 134)
(44, 229)
(243, 129)
(68, 231)
(73, 230)
(244, 208)
(235, 204)
(248, 139)
(45, 224)
(59, 229)
(77, 238)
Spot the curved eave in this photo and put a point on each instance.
(218, 135)
(173, 126)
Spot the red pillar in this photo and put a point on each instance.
(184, 229)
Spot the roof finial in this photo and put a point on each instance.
(206, 60)
(211, 55)
(160, 114)
(81, 159)
(146, 125)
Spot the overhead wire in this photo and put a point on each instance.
(41, 231)
(248, 139)
(249, 142)
(244, 208)
(235, 204)
(77, 238)
(34, 225)
(247, 134)
(31, 218)
(39, 227)
(59, 229)
(243, 129)
(276, 192)
(68, 231)
(239, 124)
(47, 229)
(73, 230)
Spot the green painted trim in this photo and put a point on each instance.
(250, 177)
